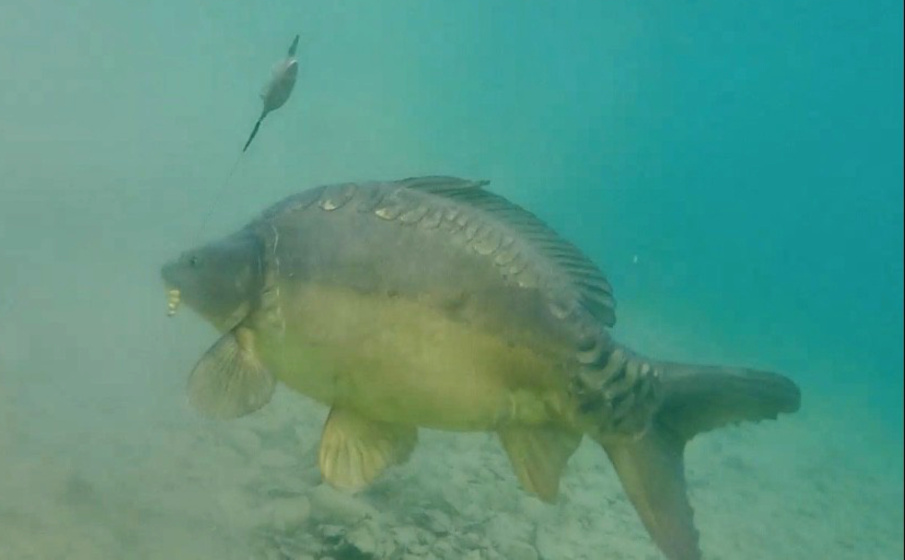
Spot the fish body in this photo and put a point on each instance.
(432, 302)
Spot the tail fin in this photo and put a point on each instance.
(701, 398)
(695, 399)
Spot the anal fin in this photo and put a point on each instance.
(229, 380)
(538, 456)
(355, 450)
(652, 473)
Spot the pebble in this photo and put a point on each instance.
(285, 514)
(407, 536)
(505, 526)
(444, 548)
(247, 441)
(335, 506)
(364, 539)
(517, 550)
(435, 521)
(275, 458)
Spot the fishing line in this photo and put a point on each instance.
(219, 192)
(275, 94)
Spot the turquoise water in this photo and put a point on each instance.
(735, 170)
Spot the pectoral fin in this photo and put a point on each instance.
(229, 381)
(355, 450)
(539, 456)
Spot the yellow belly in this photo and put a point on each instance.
(406, 362)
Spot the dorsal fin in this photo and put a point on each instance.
(565, 261)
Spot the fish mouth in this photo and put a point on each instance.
(174, 297)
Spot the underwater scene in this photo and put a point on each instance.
(404, 280)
